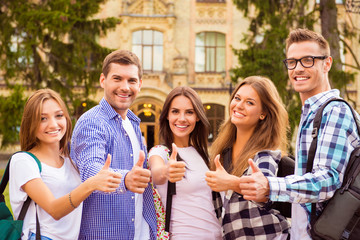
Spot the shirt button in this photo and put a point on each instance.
(131, 155)
(132, 219)
(132, 197)
(121, 190)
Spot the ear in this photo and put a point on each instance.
(262, 116)
(102, 79)
(140, 83)
(328, 63)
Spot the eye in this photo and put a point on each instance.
(237, 98)
(60, 115)
(190, 112)
(43, 119)
(133, 80)
(174, 111)
(250, 103)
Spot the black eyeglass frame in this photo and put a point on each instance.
(299, 60)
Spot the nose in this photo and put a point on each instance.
(299, 67)
(53, 122)
(182, 116)
(240, 104)
(124, 86)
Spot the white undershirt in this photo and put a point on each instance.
(142, 229)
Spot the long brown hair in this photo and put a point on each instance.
(31, 119)
(270, 133)
(198, 137)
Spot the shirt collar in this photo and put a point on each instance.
(319, 99)
(111, 113)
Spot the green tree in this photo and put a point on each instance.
(11, 109)
(52, 43)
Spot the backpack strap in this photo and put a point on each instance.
(313, 146)
(171, 190)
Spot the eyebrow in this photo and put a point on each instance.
(237, 95)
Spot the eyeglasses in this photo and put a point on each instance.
(306, 62)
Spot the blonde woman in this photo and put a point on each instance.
(57, 192)
(256, 129)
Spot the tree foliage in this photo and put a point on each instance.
(53, 44)
(11, 107)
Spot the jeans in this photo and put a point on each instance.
(32, 236)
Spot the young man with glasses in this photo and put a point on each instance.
(308, 63)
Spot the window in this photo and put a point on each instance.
(148, 46)
(210, 52)
(24, 59)
(215, 114)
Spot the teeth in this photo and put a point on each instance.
(238, 114)
(122, 95)
(301, 78)
(53, 132)
(180, 126)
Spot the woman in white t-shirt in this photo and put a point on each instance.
(57, 192)
(184, 130)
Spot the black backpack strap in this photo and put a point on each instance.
(313, 146)
(171, 190)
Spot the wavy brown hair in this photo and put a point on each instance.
(270, 133)
(198, 137)
(31, 119)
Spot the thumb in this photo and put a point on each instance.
(107, 162)
(253, 166)
(218, 163)
(174, 152)
(140, 162)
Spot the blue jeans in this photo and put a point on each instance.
(32, 236)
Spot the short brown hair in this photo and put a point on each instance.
(302, 35)
(31, 119)
(122, 57)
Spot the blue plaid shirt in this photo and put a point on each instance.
(336, 140)
(98, 132)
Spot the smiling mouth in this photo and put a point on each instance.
(53, 132)
(237, 114)
(123, 95)
(301, 78)
(181, 126)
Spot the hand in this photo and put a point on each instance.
(137, 179)
(256, 186)
(106, 180)
(219, 180)
(174, 171)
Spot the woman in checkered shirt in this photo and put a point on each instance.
(256, 129)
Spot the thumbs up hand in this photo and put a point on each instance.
(106, 180)
(137, 179)
(256, 186)
(219, 180)
(174, 171)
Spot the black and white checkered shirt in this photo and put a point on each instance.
(243, 219)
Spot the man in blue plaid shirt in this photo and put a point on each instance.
(308, 63)
(111, 128)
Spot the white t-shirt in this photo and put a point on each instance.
(192, 214)
(60, 181)
(142, 229)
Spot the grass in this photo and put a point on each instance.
(6, 192)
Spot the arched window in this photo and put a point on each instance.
(148, 46)
(215, 114)
(210, 52)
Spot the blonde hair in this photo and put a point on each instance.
(270, 133)
(31, 119)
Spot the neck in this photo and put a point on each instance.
(242, 137)
(46, 151)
